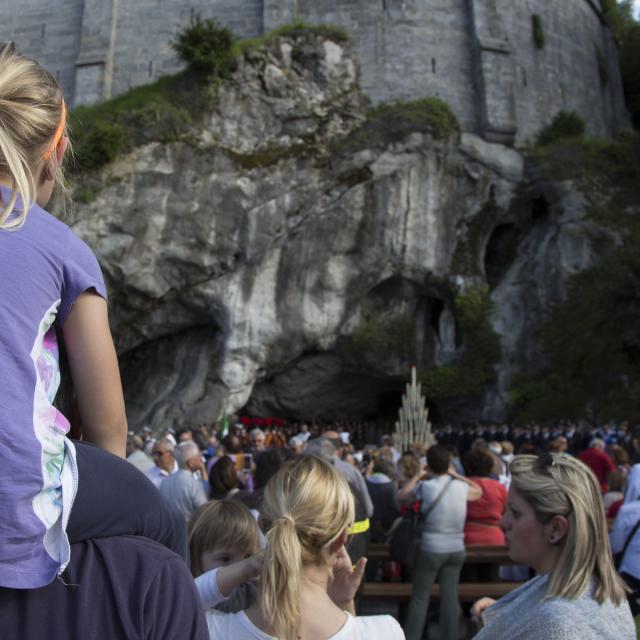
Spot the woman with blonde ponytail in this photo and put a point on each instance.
(54, 491)
(306, 584)
(555, 523)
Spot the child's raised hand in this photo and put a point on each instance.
(253, 565)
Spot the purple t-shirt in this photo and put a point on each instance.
(44, 267)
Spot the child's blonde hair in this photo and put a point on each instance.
(221, 524)
(305, 508)
(31, 110)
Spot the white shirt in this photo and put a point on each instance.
(157, 475)
(443, 530)
(626, 519)
(237, 625)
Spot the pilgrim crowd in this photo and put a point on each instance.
(547, 492)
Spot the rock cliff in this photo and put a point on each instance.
(247, 260)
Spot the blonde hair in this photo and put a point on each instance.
(305, 508)
(30, 113)
(558, 484)
(221, 524)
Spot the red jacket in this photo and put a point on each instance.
(600, 463)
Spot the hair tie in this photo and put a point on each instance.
(288, 519)
(59, 131)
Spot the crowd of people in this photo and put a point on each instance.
(461, 485)
(258, 528)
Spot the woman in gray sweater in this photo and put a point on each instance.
(555, 523)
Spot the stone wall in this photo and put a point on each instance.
(140, 58)
(564, 74)
(407, 49)
(51, 35)
(477, 55)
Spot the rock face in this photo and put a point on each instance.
(241, 261)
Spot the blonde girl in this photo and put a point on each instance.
(307, 583)
(50, 278)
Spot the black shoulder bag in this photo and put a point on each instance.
(405, 535)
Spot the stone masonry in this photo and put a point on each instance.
(477, 55)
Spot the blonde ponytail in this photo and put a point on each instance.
(282, 577)
(30, 113)
(305, 508)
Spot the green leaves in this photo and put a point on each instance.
(592, 339)
(205, 45)
(567, 124)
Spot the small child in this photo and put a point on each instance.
(222, 533)
(54, 492)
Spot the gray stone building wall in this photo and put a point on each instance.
(477, 55)
(146, 27)
(407, 49)
(565, 73)
(47, 30)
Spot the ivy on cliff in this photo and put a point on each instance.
(481, 351)
(592, 339)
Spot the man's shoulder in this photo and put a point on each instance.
(130, 574)
(120, 547)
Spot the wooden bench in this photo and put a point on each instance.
(475, 554)
(467, 591)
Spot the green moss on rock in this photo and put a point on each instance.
(393, 121)
(294, 31)
(430, 114)
(385, 336)
(162, 111)
(565, 125)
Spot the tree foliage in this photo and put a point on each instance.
(592, 339)
(205, 45)
(566, 124)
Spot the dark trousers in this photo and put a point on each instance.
(115, 498)
(445, 567)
